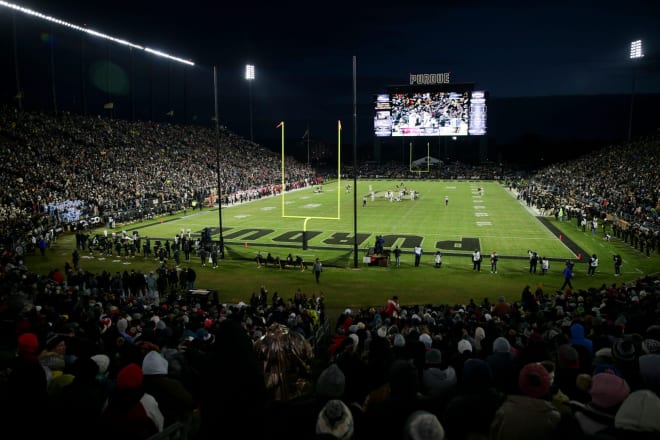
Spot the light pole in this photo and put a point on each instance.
(635, 54)
(217, 159)
(249, 76)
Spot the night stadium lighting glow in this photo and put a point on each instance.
(636, 49)
(249, 76)
(249, 71)
(93, 32)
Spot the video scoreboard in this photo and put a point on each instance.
(422, 110)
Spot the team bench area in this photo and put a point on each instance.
(288, 263)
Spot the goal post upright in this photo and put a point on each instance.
(306, 218)
(428, 159)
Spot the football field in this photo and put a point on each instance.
(454, 218)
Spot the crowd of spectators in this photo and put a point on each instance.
(619, 186)
(58, 169)
(86, 352)
(81, 353)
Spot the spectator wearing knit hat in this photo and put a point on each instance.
(174, 400)
(651, 346)
(528, 414)
(299, 417)
(438, 378)
(464, 352)
(423, 425)
(231, 356)
(331, 383)
(625, 356)
(649, 372)
(122, 329)
(470, 412)
(26, 392)
(568, 369)
(637, 418)
(379, 358)
(607, 391)
(502, 308)
(534, 381)
(131, 413)
(77, 408)
(504, 366)
(388, 415)
(53, 358)
(335, 421)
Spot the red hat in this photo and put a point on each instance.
(130, 376)
(28, 343)
(534, 380)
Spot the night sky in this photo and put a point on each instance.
(303, 54)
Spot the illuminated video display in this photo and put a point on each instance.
(430, 113)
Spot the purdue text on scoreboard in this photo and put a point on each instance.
(429, 78)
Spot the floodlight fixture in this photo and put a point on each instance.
(249, 72)
(92, 32)
(249, 76)
(636, 49)
(636, 53)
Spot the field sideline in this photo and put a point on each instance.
(483, 215)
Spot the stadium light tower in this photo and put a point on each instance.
(636, 53)
(249, 76)
(217, 159)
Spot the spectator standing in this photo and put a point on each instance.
(214, 256)
(317, 268)
(192, 276)
(203, 255)
(568, 274)
(186, 248)
(397, 256)
(593, 264)
(151, 286)
(392, 307)
(533, 261)
(476, 260)
(438, 259)
(76, 258)
(174, 400)
(77, 408)
(617, 265)
(26, 391)
(418, 254)
(131, 413)
(545, 265)
(42, 246)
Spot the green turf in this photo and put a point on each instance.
(492, 221)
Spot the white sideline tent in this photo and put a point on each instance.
(423, 160)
